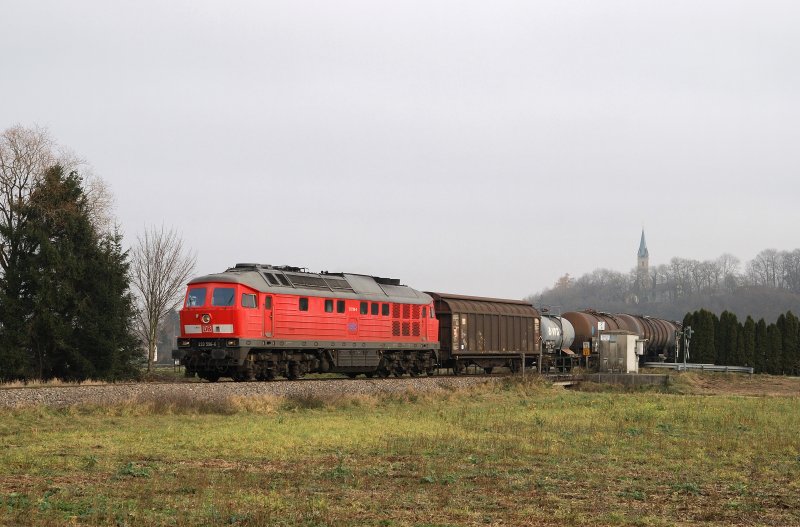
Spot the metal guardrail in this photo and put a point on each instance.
(701, 367)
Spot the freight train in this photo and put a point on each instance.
(259, 322)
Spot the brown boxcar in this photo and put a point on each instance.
(486, 332)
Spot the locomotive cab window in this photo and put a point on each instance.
(375, 308)
(196, 297)
(223, 297)
(248, 300)
(385, 310)
(424, 312)
(340, 306)
(364, 308)
(304, 304)
(328, 305)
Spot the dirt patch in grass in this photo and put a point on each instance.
(737, 384)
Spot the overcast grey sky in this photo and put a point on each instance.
(468, 147)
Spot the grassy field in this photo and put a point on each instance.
(509, 454)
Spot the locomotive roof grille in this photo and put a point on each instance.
(338, 284)
(310, 281)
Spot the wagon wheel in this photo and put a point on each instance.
(488, 370)
(458, 367)
(294, 371)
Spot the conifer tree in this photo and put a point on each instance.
(738, 360)
(774, 350)
(749, 338)
(727, 339)
(760, 355)
(789, 326)
(703, 346)
(79, 325)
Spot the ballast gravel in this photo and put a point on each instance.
(65, 396)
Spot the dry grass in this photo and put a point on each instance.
(50, 383)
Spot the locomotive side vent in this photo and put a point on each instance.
(416, 312)
(406, 329)
(396, 328)
(283, 280)
(396, 310)
(406, 311)
(415, 329)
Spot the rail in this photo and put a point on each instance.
(701, 367)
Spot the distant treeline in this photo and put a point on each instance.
(768, 287)
(769, 348)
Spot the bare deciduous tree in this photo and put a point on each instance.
(160, 268)
(99, 202)
(25, 155)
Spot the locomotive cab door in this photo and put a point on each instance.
(268, 316)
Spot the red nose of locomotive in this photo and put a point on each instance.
(209, 311)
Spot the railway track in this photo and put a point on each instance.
(121, 393)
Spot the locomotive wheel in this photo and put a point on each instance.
(212, 377)
(352, 375)
(370, 374)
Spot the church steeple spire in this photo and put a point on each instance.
(643, 268)
(643, 252)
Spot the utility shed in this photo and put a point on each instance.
(619, 351)
(477, 327)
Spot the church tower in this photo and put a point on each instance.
(643, 270)
(643, 258)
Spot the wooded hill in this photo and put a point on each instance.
(768, 287)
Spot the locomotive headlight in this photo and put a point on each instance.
(184, 343)
(232, 342)
(205, 319)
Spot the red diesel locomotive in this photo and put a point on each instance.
(256, 322)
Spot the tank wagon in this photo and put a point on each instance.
(486, 332)
(660, 335)
(260, 321)
(557, 338)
